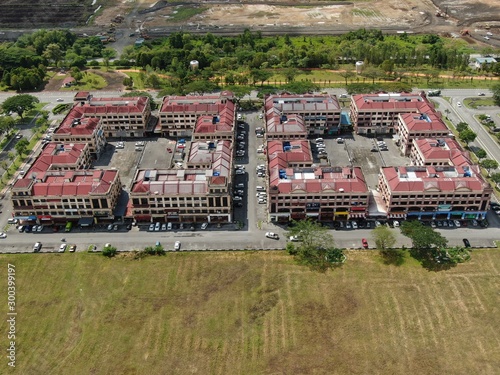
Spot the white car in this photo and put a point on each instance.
(177, 245)
(151, 227)
(239, 166)
(294, 238)
(169, 226)
(62, 248)
(459, 104)
(204, 226)
(59, 100)
(457, 223)
(157, 227)
(240, 171)
(354, 225)
(164, 226)
(37, 247)
(3, 235)
(272, 235)
(237, 198)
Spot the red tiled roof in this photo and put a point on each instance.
(421, 179)
(419, 122)
(73, 183)
(449, 151)
(57, 153)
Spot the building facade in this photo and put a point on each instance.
(87, 129)
(378, 114)
(320, 114)
(179, 115)
(199, 193)
(58, 196)
(298, 189)
(434, 192)
(120, 117)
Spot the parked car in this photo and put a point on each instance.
(364, 242)
(157, 227)
(354, 225)
(151, 227)
(238, 204)
(177, 245)
(240, 185)
(396, 224)
(239, 171)
(204, 226)
(40, 228)
(295, 238)
(457, 223)
(433, 224)
(37, 247)
(62, 248)
(3, 235)
(164, 227)
(72, 248)
(169, 226)
(12, 221)
(115, 227)
(237, 198)
(110, 227)
(272, 235)
(466, 242)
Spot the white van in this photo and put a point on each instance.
(260, 188)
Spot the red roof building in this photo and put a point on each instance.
(412, 126)
(298, 189)
(120, 117)
(75, 129)
(52, 196)
(180, 115)
(200, 193)
(285, 127)
(61, 157)
(379, 113)
(434, 192)
(438, 152)
(320, 113)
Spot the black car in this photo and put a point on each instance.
(238, 204)
(466, 242)
(129, 226)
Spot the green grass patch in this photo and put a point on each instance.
(181, 13)
(252, 313)
(365, 12)
(90, 81)
(475, 103)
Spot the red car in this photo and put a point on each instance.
(365, 243)
(169, 150)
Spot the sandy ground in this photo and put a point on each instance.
(379, 13)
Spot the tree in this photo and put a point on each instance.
(54, 53)
(316, 246)
(260, 75)
(496, 93)
(451, 255)
(21, 146)
(384, 238)
(495, 177)
(488, 164)
(19, 104)
(481, 153)
(467, 136)
(346, 74)
(461, 126)
(290, 74)
(423, 238)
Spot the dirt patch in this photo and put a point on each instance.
(114, 80)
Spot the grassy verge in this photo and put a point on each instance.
(253, 313)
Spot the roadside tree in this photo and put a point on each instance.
(423, 238)
(21, 146)
(384, 238)
(467, 136)
(496, 93)
(315, 246)
(461, 126)
(19, 104)
(488, 164)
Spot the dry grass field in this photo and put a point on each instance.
(252, 313)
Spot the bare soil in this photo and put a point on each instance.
(416, 14)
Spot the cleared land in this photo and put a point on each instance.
(253, 313)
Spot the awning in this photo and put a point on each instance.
(25, 218)
(86, 221)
